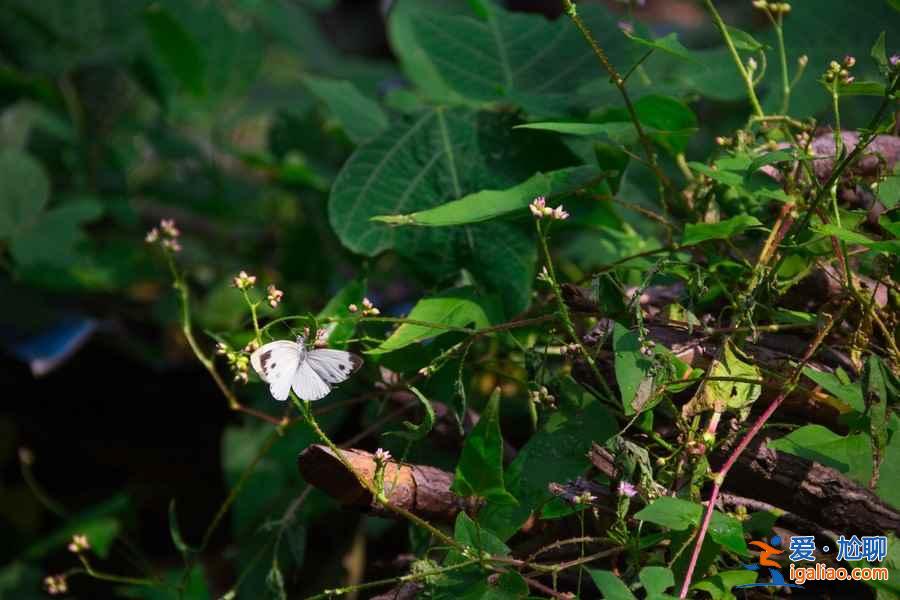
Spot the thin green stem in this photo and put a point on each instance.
(566, 317)
(115, 578)
(391, 580)
(745, 75)
(782, 57)
(619, 81)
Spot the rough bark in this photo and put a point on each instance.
(420, 489)
(810, 490)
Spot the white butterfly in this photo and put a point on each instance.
(311, 373)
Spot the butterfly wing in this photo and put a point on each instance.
(333, 366)
(307, 384)
(276, 363)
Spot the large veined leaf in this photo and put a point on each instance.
(524, 59)
(440, 155)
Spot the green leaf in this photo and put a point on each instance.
(848, 393)
(611, 586)
(473, 208)
(667, 121)
(850, 454)
(175, 533)
(99, 523)
(670, 512)
(719, 586)
(524, 59)
(727, 531)
(480, 468)
(632, 368)
(555, 453)
(275, 582)
(695, 233)
(417, 433)
(769, 158)
(744, 41)
(619, 132)
(879, 54)
(723, 176)
(176, 48)
(459, 308)
(52, 239)
(889, 191)
(423, 162)
(490, 204)
(734, 395)
(861, 88)
(24, 191)
(852, 237)
(887, 488)
(340, 332)
(668, 44)
(656, 580)
(468, 532)
(874, 381)
(360, 116)
(679, 515)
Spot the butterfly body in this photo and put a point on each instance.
(311, 373)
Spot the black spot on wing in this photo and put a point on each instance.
(264, 360)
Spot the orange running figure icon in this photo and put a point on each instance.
(766, 552)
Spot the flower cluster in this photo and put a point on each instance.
(775, 8)
(79, 544)
(321, 338)
(166, 234)
(56, 584)
(543, 397)
(243, 281)
(238, 361)
(274, 295)
(627, 489)
(382, 456)
(368, 309)
(585, 498)
(840, 71)
(540, 210)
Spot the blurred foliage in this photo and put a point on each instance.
(405, 179)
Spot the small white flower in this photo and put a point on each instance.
(274, 295)
(537, 207)
(243, 281)
(79, 543)
(168, 227)
(560, 214)
(152, 236)
(627, 489)
(382, 456)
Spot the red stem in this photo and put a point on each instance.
(742, 445)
